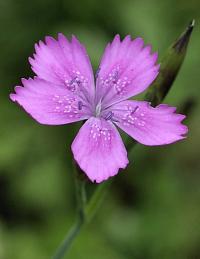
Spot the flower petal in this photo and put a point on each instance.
(63, 62)
(99, 150)
(126, 69)
(48, 103)
(148, 125)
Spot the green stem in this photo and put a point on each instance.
(85, 213)
(75, 229)
(96, 199)
(71, 235)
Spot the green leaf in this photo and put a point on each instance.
(169, 68)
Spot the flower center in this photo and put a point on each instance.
(106, 115)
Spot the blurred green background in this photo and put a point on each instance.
(152, 210)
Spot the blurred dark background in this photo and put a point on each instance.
(152, 210)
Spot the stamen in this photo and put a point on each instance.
(80, 105)
(111, 81)
(114, 118)
(73, 80)
(115, 77)
(109, 115)
(73, 83)
(135, 109)
(78, 81)
(97, 72)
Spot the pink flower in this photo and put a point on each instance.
(64, 91)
